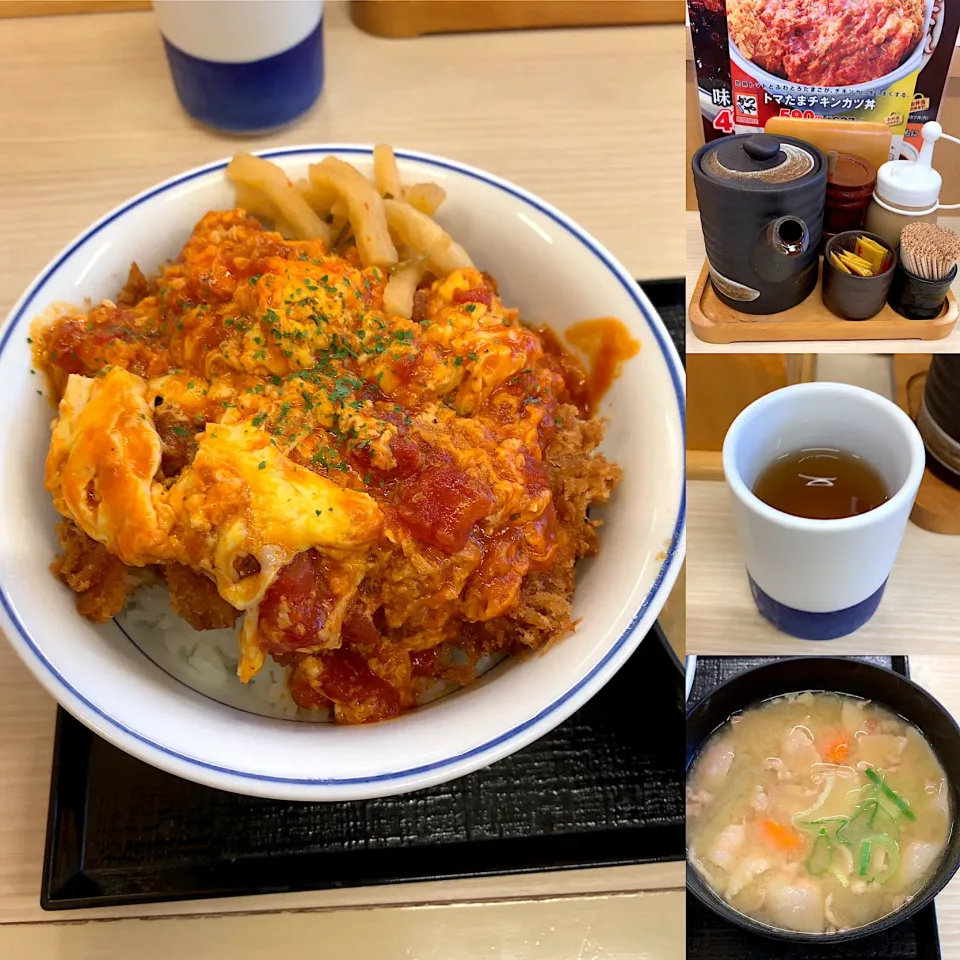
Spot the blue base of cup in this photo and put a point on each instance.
(250, 97)
(815, 626)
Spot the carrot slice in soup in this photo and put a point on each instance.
(784, 838)
(837, 750)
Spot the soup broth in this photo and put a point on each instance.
(817, 812)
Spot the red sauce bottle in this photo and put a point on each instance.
(850, 183)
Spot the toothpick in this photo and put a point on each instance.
(929, 251)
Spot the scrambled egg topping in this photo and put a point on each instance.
(256, 402)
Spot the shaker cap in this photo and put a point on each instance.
(913, 183)
(908, 183)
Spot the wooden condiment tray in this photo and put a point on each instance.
(714, 322)
(937, 507)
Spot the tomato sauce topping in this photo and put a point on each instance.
(442, 505)
(607, 343)
(473, 295)
(344, 678)
(295, 608)
(444, 421)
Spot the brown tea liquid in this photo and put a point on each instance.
(821, 483)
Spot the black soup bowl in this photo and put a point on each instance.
(832, 675)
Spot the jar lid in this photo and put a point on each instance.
(760, 161)
(908, 183)
(852, 173)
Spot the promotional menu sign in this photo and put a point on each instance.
(711, 57)
(930, 88)
(885, 61)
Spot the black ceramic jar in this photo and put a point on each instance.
(761, 202)
(939, 417)
(918, 299)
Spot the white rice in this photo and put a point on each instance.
(206, 661)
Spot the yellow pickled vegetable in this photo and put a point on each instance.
(871, 251)
(857, 265)
(839, 264)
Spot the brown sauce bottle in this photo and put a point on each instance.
(850, 183)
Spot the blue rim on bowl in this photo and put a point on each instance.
(490, 750)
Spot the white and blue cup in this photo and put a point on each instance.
(244, 66)
(821, 579)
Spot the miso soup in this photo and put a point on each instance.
(817, 812)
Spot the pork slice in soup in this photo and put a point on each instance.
(817, 812)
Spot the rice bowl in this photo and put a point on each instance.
(107, 682)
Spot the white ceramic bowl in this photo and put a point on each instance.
(554, 272)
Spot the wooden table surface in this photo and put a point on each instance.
(920, 608)
(592, 121)
(695, 256)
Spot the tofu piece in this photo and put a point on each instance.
(795, 904)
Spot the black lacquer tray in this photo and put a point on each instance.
(603, 788)
(668, 297)
(711, 938)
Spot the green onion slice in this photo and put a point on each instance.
(893, 856)
(821, 856)
(902, 805)
(858, 827)
(818, 803)
(884, 820)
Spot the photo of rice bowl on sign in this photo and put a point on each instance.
(839, 51)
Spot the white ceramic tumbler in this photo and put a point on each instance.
(821, 579)
(244, 66)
